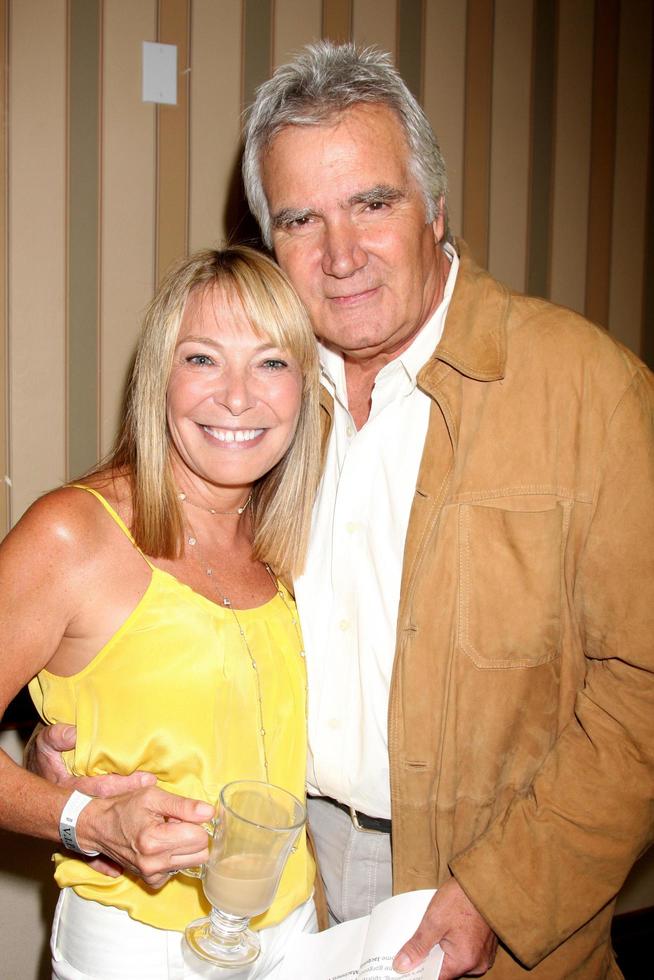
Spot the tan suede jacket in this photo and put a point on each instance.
(521, 715)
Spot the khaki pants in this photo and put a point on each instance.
(355, 866)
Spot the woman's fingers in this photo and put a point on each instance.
(150, 832)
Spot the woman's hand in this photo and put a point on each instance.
(43, 756)
(149, 832)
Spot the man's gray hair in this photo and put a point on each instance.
(325, 79)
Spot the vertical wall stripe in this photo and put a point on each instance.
(542, 147)
(509, 178)
(4, 349)
(410, 35)
(375, 22)
(83, 184)
(479, 80)
(294, 26)
(630, 188)
(172, 142)
(337, 20)
(127, 230)
(215, 118)
(257, 45)
(647, 339)
(444, 92)
(37, 268)
(573, 85)
(602, 159)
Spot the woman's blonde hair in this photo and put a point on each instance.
(282, 499)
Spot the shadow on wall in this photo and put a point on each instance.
(242, 227)
(28, 893)
(30, 897)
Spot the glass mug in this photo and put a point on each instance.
(257, 825)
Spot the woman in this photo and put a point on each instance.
(145, 611)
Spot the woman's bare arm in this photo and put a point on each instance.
(50, 591)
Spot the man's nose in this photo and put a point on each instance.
(343, 253)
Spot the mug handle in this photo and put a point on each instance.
(198, 870)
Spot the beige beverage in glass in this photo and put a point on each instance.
(256, 827)
(241, 884)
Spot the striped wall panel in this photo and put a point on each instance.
(571, 162)
(216, 59)
(84, 25)
(542, 108)
(36, 247)
(4, 346)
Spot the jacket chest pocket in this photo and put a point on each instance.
(510, 584)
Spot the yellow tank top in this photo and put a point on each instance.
(173, 692)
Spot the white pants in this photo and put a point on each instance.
(97, 942)
(356, 866)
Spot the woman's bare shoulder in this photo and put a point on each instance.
(65, 521)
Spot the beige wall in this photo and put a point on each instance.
(543, 112)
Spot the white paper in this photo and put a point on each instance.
(364, 949)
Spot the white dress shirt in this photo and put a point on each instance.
(348, 596)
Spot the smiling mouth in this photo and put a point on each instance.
(232, 435)
(351, 298)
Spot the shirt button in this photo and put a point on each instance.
(344, 625)
(350, 431)
(350, 527)
(334, 723)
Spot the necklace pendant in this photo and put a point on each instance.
(210, 571)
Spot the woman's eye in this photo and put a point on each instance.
(200, 359)
(274, 363)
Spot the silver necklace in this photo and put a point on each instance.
(211, 510)
(227, 603)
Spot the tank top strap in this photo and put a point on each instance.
(114, 516)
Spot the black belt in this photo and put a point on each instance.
(360, 820)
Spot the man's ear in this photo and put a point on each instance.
(438, 224)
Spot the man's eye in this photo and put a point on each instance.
(299, 222)
(375, 205)
(200, 359)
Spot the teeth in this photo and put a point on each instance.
(231, 435)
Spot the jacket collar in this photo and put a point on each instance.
(474, 337)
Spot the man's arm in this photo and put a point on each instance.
(562, 850)
(43, 756)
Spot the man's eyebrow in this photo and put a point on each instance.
(288, 215)
(385, 193)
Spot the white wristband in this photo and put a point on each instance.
(68, 822)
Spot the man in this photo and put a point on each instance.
(477, 602)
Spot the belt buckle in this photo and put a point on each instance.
(357, 825)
